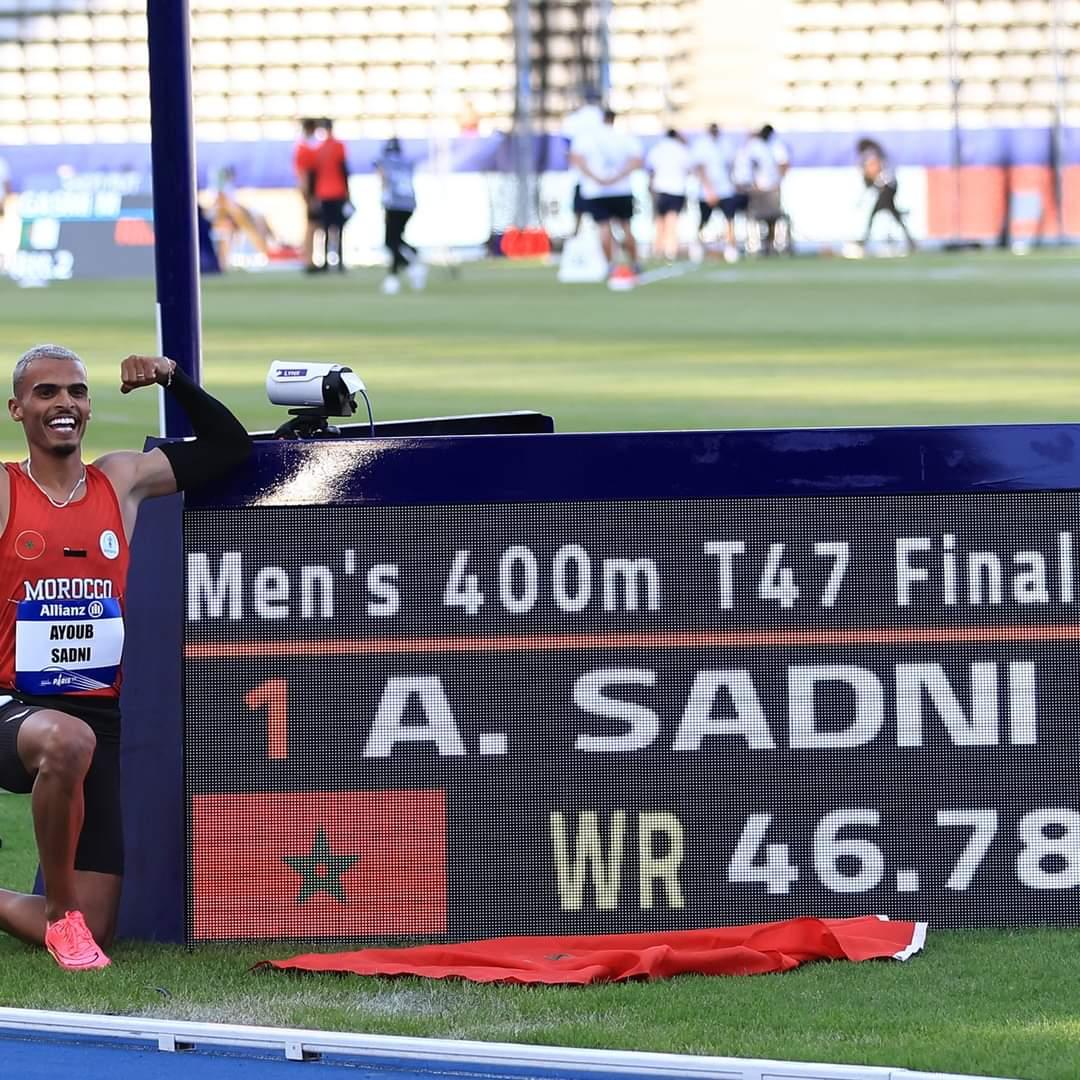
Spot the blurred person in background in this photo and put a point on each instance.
(228, 217)
(399, 202)
(589, 117)
(767, 160)
(469, 120)
(714, 166)
(879, 176)
(305, 156)
(332, 192)
(608, 159)
(668, 166)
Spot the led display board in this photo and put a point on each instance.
(604, 716)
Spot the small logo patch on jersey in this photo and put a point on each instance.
(110, 546)
(29, 544)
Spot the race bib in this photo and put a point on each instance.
(67, 646)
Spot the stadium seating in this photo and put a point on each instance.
(78, 67)
(892, 64)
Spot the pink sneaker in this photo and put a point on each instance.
(72, 945)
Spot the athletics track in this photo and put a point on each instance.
(38, 1045)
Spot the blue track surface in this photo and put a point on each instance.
(52, 1057)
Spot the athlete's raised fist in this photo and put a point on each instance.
(136, 371)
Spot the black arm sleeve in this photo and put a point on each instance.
(220, 443)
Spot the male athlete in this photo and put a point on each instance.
(607, 160)
(64, 532)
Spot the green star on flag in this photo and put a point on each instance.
(320, 870)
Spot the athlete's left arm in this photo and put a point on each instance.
(221, 443)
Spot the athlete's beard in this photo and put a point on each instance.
(64, 450)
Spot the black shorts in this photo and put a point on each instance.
(101, 843)
(333, 213)
(612, 208)
(734, 204)
(581, 204)
(669, 204)
(729, 206)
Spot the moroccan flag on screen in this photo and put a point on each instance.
(318, 864)
(735, 950)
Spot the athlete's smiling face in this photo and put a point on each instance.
(52, 402)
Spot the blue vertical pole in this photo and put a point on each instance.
(176, 236)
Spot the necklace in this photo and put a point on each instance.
(59, 505)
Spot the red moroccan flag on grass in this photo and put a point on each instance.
(738, 950)
(319, 864)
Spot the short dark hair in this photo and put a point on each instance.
(714, 129)
(767, 132)
(609, 116)
(308, 126)
(40, 352)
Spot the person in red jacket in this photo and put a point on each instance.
(332, 191)
(64, 532)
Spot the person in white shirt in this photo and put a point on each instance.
(608, 160)
(768, 162)
(668, 165)
(589, 117)
(714, 167)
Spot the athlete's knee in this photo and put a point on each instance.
(63, 748)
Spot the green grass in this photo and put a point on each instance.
(790, 343)
(937, 339)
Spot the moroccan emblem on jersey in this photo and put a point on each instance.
(29, 544)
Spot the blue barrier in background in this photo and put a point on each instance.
(268, 164)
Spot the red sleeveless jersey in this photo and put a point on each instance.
(63, 571)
